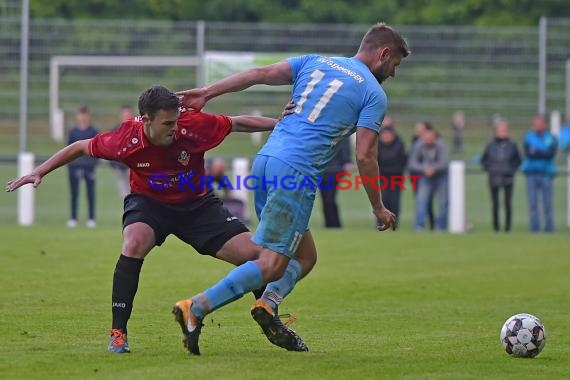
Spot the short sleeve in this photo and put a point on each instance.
(373, 112)
(206, 130)
(297, 63)
(105, 145)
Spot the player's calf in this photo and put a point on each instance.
(272, 265)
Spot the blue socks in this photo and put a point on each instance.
(241, 280)
(277, 290)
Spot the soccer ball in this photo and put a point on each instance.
(523, 335)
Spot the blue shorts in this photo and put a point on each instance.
(283, 207)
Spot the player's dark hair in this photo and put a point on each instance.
(157, 98)
(381, 35)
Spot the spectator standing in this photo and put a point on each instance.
(501, 160)
(540, 148)
(419, 129)
(216, 167)
(83, 168)
(457, 128)
(341, 162)
(429, 158)
(121, 170)
(392, 160)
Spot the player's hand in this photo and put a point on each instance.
(288, 110)
(194, 98)
(385, 219)
(14, 184)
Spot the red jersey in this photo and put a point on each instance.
(170, 173)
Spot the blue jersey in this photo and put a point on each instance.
(542, 161)
(333, 95)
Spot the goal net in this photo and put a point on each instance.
(100, 80)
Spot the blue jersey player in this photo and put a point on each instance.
(334, 98)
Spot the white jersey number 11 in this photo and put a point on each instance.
(316, 77)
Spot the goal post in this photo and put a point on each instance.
(56, 115)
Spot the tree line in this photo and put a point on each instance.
(395, 12)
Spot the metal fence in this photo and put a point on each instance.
(481, 70)
(557, 55)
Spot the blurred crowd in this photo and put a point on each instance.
(501, 159)
(427, 156)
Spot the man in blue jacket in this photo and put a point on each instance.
(82, 168)
(539, 167)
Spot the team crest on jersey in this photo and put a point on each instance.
(184, 158)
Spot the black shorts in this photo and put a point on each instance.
(205, 224)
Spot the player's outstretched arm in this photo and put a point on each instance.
(248, 123)
(273, 75)
(367, 161)
(62, 157)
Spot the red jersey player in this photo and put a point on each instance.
(169, 140)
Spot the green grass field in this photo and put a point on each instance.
(392, 305)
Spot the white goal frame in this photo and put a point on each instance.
(56, 115)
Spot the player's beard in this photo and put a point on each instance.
(379, 72)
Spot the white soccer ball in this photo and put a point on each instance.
(523, 335)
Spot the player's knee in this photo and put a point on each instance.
(138, 240)
(272, 265)
(136, 248)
